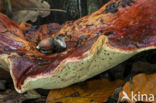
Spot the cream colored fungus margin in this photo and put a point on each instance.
(99, 58)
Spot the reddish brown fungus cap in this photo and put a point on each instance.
(95, 43)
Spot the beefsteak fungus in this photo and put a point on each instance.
(92, 44)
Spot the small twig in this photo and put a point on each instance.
(42, 9)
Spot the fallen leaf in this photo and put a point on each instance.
(29, 14)
(21, 4)
(141, 88)
(95, 91)
(16, 4)
(26, 10)
(11, 96)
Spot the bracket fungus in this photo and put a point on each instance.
(92, 44)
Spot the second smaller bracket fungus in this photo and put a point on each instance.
(51, 45)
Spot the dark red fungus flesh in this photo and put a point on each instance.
(135, 26)
(25, 67)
